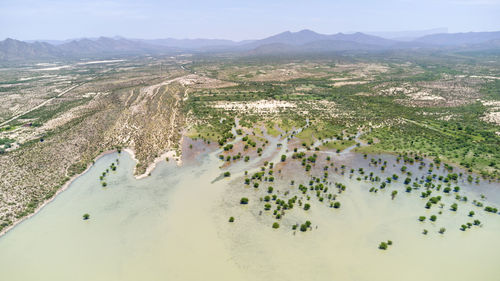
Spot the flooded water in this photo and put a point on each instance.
(174, 226)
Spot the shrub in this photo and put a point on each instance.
(276, 225)
(86, 216)
(303, 227)
(471, 213)
(490, 209)
(421, 218)
(336, 205)
(433, 218)
(244, 200)
(270, 189)
(267, 207)
(393, 194)
(231, 219)
(442, 230)
(283, 158)
(227, 174)
(382, 246)
(307, 206)
(454, 207)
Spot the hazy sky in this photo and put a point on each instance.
(233, 19)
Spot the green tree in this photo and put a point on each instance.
(382, 246)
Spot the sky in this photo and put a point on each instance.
(236, 20)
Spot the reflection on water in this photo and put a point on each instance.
(173, 226)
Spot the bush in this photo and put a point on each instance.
(276, 225)
(393, 194)
(442, 230)
(303, 227)
(86, 216)
(283, 158)
(244, 200)
(433, 218)
(227, 174)
(231, 219)
(421, 218)
(270, 189)
(471, 213)
(307, 206)
(336, 205)
(490, 209)
(454, 207)
(382, 246)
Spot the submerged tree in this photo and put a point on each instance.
(393, 194)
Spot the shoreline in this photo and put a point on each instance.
(171, 154)
(66, 185)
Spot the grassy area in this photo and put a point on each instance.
(338, 145)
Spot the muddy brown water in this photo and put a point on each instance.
(174, 225)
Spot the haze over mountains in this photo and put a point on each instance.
(304, 41)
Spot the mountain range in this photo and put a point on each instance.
(304, 41)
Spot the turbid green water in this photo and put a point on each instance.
(173, 226)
